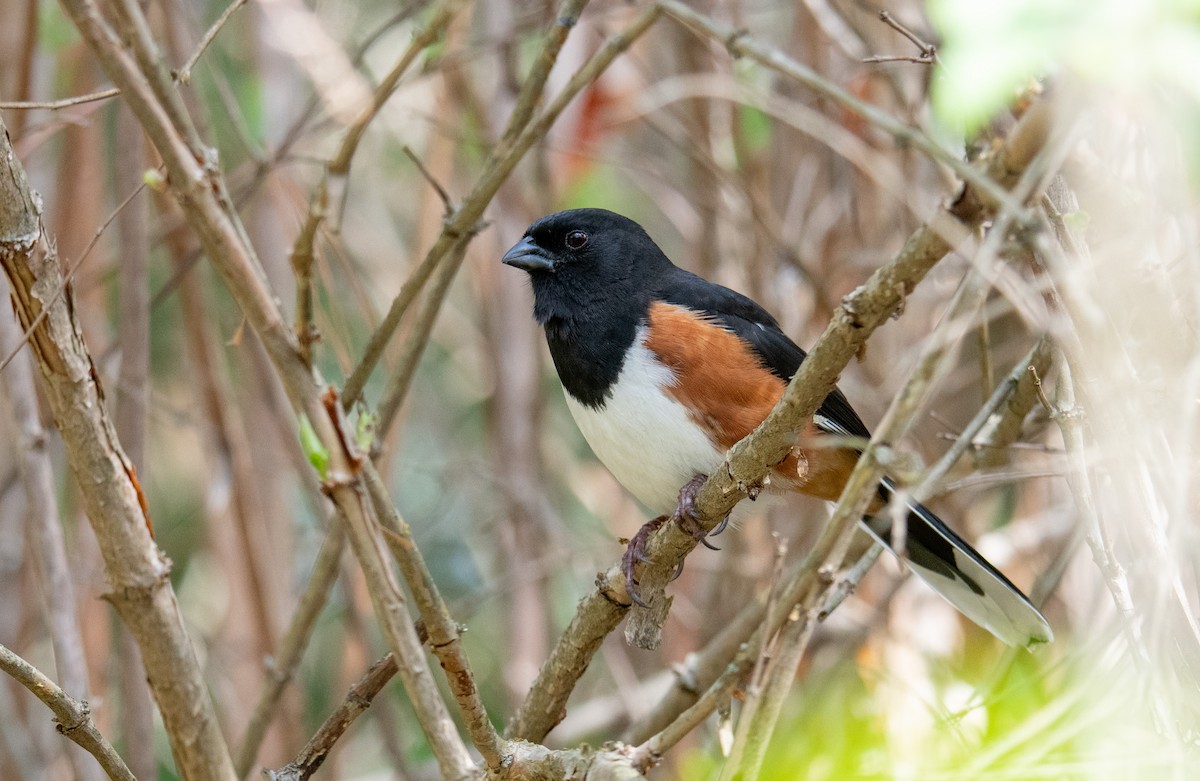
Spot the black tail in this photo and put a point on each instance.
(956, 571)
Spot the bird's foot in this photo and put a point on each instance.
(685, 517)
(635, 553)
(685, 514)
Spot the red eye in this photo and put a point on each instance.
(577, 240)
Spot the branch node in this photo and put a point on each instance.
(85, 710)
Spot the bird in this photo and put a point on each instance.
(664, 371)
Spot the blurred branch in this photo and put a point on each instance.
(500, 163)
(1006, 395)
(418, 337)
(184, 74)
(281, 667)
(338, 169)
(741, 44)
(1005, 426)
(747, 463)
(73, 717)
(54, 105)
(443, 633)
(358, 699)
(1070, 419)
(928, 51)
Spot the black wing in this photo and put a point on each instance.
(760, 330)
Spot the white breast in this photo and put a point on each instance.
(643, 435)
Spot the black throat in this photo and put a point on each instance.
(588, 338)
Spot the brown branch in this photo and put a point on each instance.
(357, 700)
(740, 44)
(137, 569)
(861, 312)
(32, 453)
(184, 74)
(418, 337)
(73, 717)
(928, 51)
(501, 162)
(195, 181)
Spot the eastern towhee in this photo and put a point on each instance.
(665, 371)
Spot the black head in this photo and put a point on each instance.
(584, 258)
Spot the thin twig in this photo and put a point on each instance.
(338, 167)
(741, 44)
(1003, 392)
(69, 276)
(184, 74)
(73, 717)
(447, 203)
(54, 105)
(414, 346)
(357, 700)
(928, 51)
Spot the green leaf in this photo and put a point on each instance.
(316, 453)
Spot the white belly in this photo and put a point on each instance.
(643, 435)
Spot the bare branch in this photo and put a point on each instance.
(54, 105)
(73, 717)
(116, 507)
(184, 74)
(357, 700)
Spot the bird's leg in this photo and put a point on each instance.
(685, 513)
(635, 554)
(685, 517)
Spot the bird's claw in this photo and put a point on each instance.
(685, 514)
(685, 517)
(635, 553)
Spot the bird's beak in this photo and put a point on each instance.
(528, 256)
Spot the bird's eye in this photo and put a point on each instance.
(577, 240)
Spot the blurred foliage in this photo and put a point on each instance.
(991, 51)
